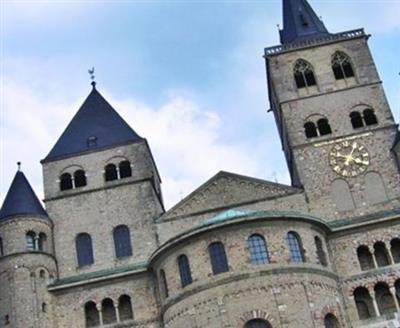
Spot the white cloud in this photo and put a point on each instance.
(185, 138)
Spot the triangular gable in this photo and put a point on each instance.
(227, 189)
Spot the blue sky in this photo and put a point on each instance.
(187, 75)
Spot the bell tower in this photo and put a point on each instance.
(334, 121)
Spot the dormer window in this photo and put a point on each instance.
(92, 141)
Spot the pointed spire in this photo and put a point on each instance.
(95, 126)
(21, 199)
(300, 22)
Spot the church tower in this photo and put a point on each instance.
(26, 259)
(334, 121)
(102, 190)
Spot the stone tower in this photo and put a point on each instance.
(334, 121)
(26, 258)
(100, 180)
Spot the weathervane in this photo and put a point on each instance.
(91, 72)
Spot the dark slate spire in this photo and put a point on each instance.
(300, 22)
(21, 199)
(96, 125)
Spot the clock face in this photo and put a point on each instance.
(349, 158)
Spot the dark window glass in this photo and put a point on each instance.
(341, 66)
(310, 130)
(91, 315)
(300, 80)
(125, 308)
(364, 304)
(84, 250)
(122, 241)
(30, 241)
(111, 172)
(258, 249)
(65, 181)
(369, 117)
(365, 258)
(108, 311)
(125, 169)
(219, 262)
(79, 178)
(295, 248)
(330, 321)
(303, 74)
(320, 251)
(164, 284)
(338, 72)
(1, 247)
(42, 242)
(184, 270)
(257, 323)
(395, 250)
(309, 74)
(323, 127)
(381, 254)
(356, 120)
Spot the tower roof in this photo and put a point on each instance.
(95, 126)
(21, 199)
(300, 22)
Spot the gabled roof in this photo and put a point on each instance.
(21, 199)
(95, 126)
(300, 22)
(225, 190)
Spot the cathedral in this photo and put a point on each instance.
(238, 252)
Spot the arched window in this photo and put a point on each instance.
(42, 242)
(258, 249)
(122, 241)
(184, 270)
(108, 311)
(84, 250)
(395, 249)
(125, 170)
(1, 247)
(331, 321)
(295, 247)
(323, 127)
(125, 308)
(42, 274)
(257, 323)
(356, 120)
(310, 130)
(110, 172)
(365, 258)
(363, 300)
(91, 314)
(320, 251)
(219, 262)
(164, 284)
(303, 74)
(341, 66)
(341, 195)
(370, 117)
(44, 307)
(65, 181)
(381, 254)
(384, 299)
(79, 178)
(30, 241)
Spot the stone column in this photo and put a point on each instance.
(376, 308)
(36, 243)
(391, 260)
(396, 301)
(117, 311)
(98, 306)
(372, 250)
